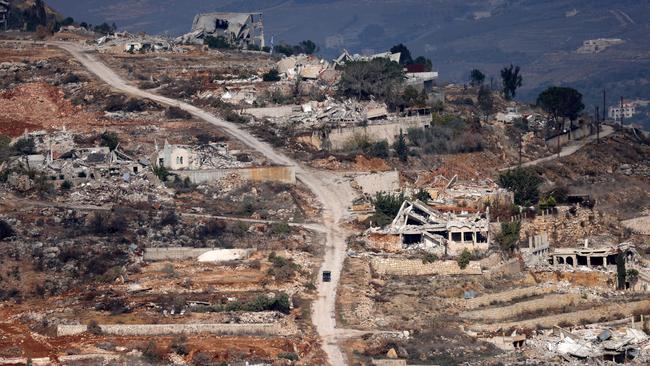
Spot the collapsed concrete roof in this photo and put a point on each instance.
(241, 29)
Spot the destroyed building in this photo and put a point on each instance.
(420, 226)
(593, 258)
(242, 30)
(346, 57)
(4, 10)
(209, 156)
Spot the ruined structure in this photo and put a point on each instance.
(419, 225)
(4, 10)
(596, 258)
(346, 57)
(209, 156)
(238, 29)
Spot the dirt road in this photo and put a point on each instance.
(333, 195)
(567, 149)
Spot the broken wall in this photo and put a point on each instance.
(415, 267)
(280, 174)
(338, 138)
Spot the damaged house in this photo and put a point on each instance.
(593, 258)
(420, 226)
(242, 30)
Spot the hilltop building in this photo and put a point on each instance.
(239, 29)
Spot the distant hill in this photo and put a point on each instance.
(457, 35)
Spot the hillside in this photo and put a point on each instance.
(457, 35)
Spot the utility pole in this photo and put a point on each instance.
(597, 125)
(604, 106)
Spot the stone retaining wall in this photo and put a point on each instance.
(173, 329)
(415, 267)
(508, 312)
(507, 296)
(281, 174)
(592, 315)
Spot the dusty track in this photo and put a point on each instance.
(334, 200)
(567, 149)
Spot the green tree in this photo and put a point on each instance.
(25, 146)
(524, 183)
(511, 81)
(401, 148)
(272, 75)
(485, 102)
(386, 207)
(405, 57)
(422, 195)
(308, 47)
(421, 60)
(632, 276)
(509, 236)
(476, 77)
(464, 259)
(561, 102)
(67, 21)
(110, 140)
(378, 149)
(379, 78)
(218, 42)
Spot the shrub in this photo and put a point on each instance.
(25, 146)
(170, 219)
(179, 346)
(282, 269)
(234, 117)
(378, 149)
(6, 231)
(509, 236)
(177, 113)
(291, 356)
(280, 228)
(66, 185)
(70, 79)
(104, 224)
(153, 353)
(161, 172)
(429, 258)
(110, 140)
(272, 75)
(169, 271)
(212, 229)
(94, 328)
(218, 42)
(464, 258)
(422, 195)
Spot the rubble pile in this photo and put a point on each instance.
(333, 114)
(581, 345)
(127, 42)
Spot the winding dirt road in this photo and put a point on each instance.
(334, 198)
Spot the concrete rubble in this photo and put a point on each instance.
(594, 344)
(120, 42)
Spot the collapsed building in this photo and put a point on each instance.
(346, 57)
(238, 29)
(595, 344)
(125, 42)
(4, 9)
(213, 162)
(208, 156)
(420, 226)
(593, 258)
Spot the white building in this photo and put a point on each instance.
(628, 111)
(174, 157)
